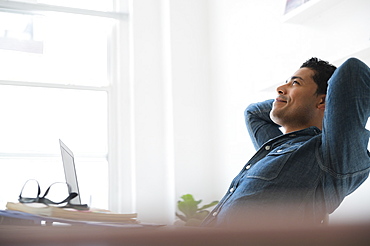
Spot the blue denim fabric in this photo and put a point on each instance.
(306, 174)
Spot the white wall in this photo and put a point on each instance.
(197, 65)
(192, 99)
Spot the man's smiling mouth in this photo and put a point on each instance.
(280, 99)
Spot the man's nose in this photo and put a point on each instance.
(281, 90)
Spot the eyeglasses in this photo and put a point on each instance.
(59, 190)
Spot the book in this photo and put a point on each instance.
(97, 215)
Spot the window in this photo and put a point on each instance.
(55, 83)
(17, 33)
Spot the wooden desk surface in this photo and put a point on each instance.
(346, 235)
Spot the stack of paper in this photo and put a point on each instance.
(72, 214)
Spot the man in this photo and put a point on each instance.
(304, 174)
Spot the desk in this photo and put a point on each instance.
(79, 235)
(10, 217)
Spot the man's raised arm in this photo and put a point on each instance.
(258, 122)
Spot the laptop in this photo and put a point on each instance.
(71, 176)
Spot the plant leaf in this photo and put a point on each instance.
(209, 205)
(201, 215)
(181, 217)
(189, 206)
(190, 198)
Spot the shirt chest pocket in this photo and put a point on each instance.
(269, 167)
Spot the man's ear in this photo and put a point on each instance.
(321, 104)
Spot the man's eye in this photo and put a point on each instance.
(295, 82)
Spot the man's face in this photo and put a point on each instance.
(297, 104)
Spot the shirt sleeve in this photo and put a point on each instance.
(259, 124)
(345, 138)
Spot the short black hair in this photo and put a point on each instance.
(323, 71)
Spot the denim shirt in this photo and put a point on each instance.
(305, 174)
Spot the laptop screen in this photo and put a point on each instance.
(70, 171)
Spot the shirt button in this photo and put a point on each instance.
(231, 190)
(247, 167)
(214, 214)
(267, 147)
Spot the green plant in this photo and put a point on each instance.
(192, 214)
